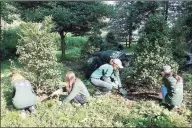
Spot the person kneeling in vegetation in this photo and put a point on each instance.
(23, 94)
(76, 90)
(174, 85)
(105, 77)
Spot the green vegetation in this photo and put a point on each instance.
(36, 48)
(152, 51)
(188, 81)
(9, 42)
(47, 49)
(104, 111)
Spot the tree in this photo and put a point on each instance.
(75, 17)
(178, 35)
(36, 48)
(110, 41)
(152, 52)
(130, 15)
(187, 12)
(7, 11)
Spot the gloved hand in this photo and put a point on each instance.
(123, 91)
(116, 82)
(57, 92)
(115, 85)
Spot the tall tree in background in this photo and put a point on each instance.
(166, 8)
(75, 17)
(187, 12)
(7, 11)
(130, 15)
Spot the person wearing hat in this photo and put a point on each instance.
(101, 77)
(100, 58)
(174, 84)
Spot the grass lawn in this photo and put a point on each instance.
(128, 50)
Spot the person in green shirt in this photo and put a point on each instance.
(23, 97)
(174, 85)
(76, 90)
(101, 77)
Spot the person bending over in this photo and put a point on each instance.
(76, 90)
(174, 85)
(24, 97)
(101, 77)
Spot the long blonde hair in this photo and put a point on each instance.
(16, 76)
(70, 77)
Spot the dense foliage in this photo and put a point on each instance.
(110, 41)
(163, 40)
(75, 17)
(130, 15)
(178, 42)
(103, 111)
(152, 52)
(8, 43)
(36, 48)
(93, 44)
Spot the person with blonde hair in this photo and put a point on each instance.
(76, 89)
(23, 94)
(174, 88)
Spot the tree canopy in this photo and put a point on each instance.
(75, 17)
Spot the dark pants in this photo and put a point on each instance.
(79, 99)
(30, 109)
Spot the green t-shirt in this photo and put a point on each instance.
(23, 94)
(78, 89)
(104, 70)
(174, 94)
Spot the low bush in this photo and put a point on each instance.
(92, 45)
(150, 114)
(8, 43)
(102, 111)
(187, 77)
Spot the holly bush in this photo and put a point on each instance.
(152, 51)
(36, 49)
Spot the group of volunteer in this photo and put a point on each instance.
(104, 78)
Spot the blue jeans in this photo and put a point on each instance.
(164, 92)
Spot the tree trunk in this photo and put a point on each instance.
(126, 42)
(166, 9)
(63, 45)
(130, 34)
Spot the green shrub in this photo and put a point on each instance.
(77, 41)
(152, 51)
(187, 77)
(8, 43)
(36, 49)
(99, 112)
(110, 41)
(150, 114)
(92, 45)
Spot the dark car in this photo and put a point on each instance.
(100, 58)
